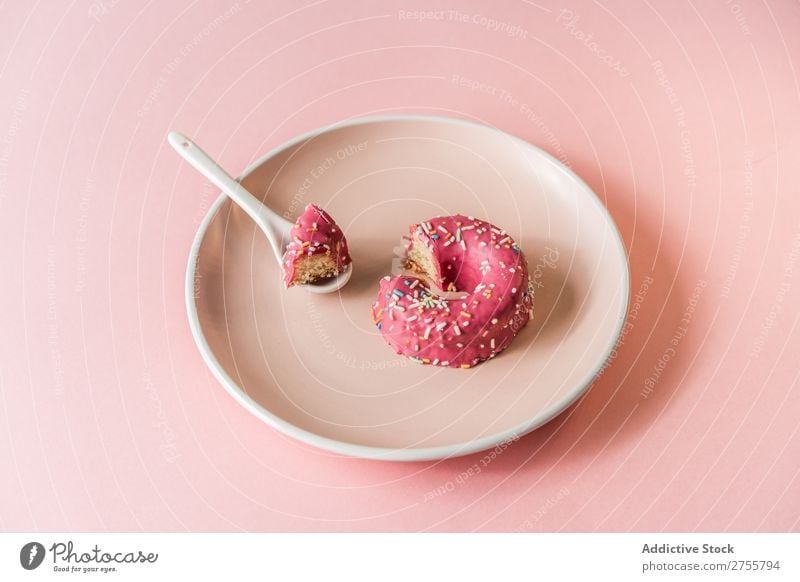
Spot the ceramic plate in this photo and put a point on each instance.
(316, 368)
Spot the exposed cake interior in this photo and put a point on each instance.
(421, 259)
(313, 268)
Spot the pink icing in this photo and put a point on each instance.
(471, 256)
(314, 233)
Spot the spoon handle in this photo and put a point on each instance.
(274, 226)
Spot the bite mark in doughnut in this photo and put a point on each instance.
(318, 249)
(459, 254)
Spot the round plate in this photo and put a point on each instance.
(316, 368)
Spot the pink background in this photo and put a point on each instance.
(682, 116)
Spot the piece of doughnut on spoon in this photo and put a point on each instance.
(276, 228)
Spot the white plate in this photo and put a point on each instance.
(316, 368)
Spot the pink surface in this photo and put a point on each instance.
(682, 117)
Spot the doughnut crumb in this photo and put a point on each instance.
(317, 249)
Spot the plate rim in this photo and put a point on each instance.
(385, 453)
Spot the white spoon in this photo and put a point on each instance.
(275, 227)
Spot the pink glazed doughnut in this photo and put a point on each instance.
(459, 254)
